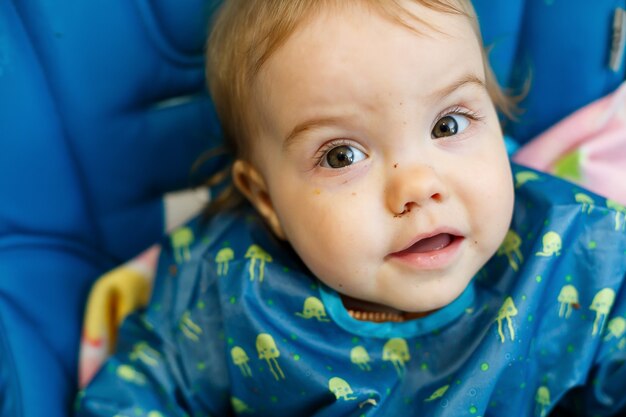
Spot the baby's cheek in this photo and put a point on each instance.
(500, 217)
(329, 248)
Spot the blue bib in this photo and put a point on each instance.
(238, 326)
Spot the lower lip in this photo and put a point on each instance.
(437, 259)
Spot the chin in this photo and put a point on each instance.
(434, 301)
(425, 306)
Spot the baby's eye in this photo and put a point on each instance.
(450, 125)
(341, 156)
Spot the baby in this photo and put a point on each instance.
(380, 271)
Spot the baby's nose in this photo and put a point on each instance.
(414, 187)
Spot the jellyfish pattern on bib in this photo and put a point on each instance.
(240, 327)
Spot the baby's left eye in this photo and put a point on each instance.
(450, 125)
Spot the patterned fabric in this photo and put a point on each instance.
(127, 288)
(237, 326)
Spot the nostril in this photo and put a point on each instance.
(407, 209)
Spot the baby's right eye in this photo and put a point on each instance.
(341, 156)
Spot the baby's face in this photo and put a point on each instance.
(383, 157)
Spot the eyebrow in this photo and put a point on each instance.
(465, 80)
(309, 125)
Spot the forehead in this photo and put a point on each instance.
(357, 51)
(335, 29)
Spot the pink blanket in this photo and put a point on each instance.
(588, 147)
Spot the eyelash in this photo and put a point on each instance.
(456, 110)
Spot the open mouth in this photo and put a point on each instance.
(431, 244)
(433, 252)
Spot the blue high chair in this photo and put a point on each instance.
(103, 110)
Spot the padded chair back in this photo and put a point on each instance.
(103, 109)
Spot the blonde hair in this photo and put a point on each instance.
(247, 32)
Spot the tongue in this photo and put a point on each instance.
(436, 242)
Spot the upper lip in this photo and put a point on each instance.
(440, 230)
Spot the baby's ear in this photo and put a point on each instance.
(252, 185)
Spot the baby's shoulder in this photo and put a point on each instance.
(219, 237)
(541, 197)
(194, 255)
(560, 233)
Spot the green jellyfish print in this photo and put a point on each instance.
(506, 312)
(130, 374)
(552, 245)
(396, 351)
(542, 398)
(144, 353)
(313, 309)
(341, 389)
(182, 239)
(523, 177)
(510, 247)
(601, 304)
(190, 329)
(620, 214)
(616, 328)
(268, 351)
(586, 202)
(621, 345)
(240, 358)
(155, 414)
(256, 253)
(440, 392)
(239, 406)
(223, 257)
(360, 357)
(568, 299)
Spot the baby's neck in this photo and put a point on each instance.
(377, 313)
